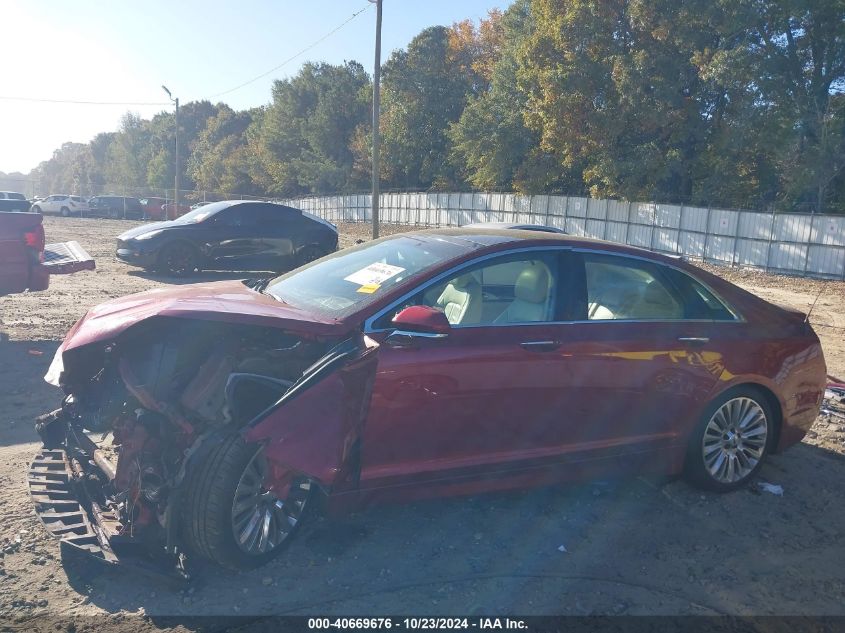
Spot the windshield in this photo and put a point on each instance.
(347, 281)
(201, 213)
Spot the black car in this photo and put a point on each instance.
(233, 235)
(116, 207)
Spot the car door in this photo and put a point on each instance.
(50, 204)
(234, 238)
(639, 357)
(484, 401)
(280, 232)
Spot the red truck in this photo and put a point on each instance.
(26, 261)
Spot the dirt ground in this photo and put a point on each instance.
(638, 546)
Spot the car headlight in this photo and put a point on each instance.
(146, 236)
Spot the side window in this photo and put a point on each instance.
(701, 303)
(505, 290)
(626, 288)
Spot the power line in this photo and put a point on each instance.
(292, 57)
(102, 103)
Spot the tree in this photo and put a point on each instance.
(492, 147)
(303, 141)
(424, 93)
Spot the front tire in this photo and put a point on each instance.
(231, 517)
(65, 212)
(731, 441)
(177, 259)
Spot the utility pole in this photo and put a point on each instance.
(376, 116)
(176, 170)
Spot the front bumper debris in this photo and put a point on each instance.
(53, 488)
(69, 487)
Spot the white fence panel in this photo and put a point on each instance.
(616, 232)
(723, 222)
(752, 253)
(826, 260)
(720, 249)
(640, 235)
(790, 243)
(694, 219)
(788, 257)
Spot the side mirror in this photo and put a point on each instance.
(423, 321)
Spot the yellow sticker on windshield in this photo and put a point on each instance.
(369, 288)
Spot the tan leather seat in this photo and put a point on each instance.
(532, 296)
(461, 300)
(655, 302)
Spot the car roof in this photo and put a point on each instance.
(490, 237)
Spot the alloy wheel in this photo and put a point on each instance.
(261, 520)
(735, 440)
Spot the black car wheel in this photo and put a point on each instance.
(65, 212)
(177, 259)
(731, 440)
(232, 516)
(114, 214)
(36, 209)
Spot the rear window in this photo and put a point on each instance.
(15, 196)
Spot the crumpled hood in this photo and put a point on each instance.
(227, 301)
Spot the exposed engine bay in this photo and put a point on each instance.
(138, 409)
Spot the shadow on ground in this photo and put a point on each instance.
(23, 393)
(638, 546)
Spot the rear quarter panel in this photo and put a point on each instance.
(15, 258)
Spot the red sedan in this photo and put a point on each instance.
(423, 364)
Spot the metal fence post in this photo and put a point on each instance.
(809, 240)
(706, 234)
(771, 239)
(680, 228)
(546, 218)
(736, 238)
(628, 224)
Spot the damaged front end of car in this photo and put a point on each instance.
(127, 468)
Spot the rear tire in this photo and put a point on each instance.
(229, 517)
(65, 212)
(36, 209)
(177, 259)
(731, 441)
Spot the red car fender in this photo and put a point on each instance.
(317, 432)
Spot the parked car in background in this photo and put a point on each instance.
(197, 205)
(116, 207)
(423, 364)
(153, 208)
(514, 225)
(61, 204)
(26, 262)
(235, 235)
(171, 211)
(13, 201)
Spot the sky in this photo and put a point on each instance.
(121, 51)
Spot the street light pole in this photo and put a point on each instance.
(176, 170)
(376, 117)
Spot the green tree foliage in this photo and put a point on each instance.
(303, 141)
(425, 90)
(719, 102)
(491, 140)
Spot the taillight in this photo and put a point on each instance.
(36, 240)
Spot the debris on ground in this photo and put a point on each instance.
(772, 488)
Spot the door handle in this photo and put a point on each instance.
(540, 346)
(694, 340)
